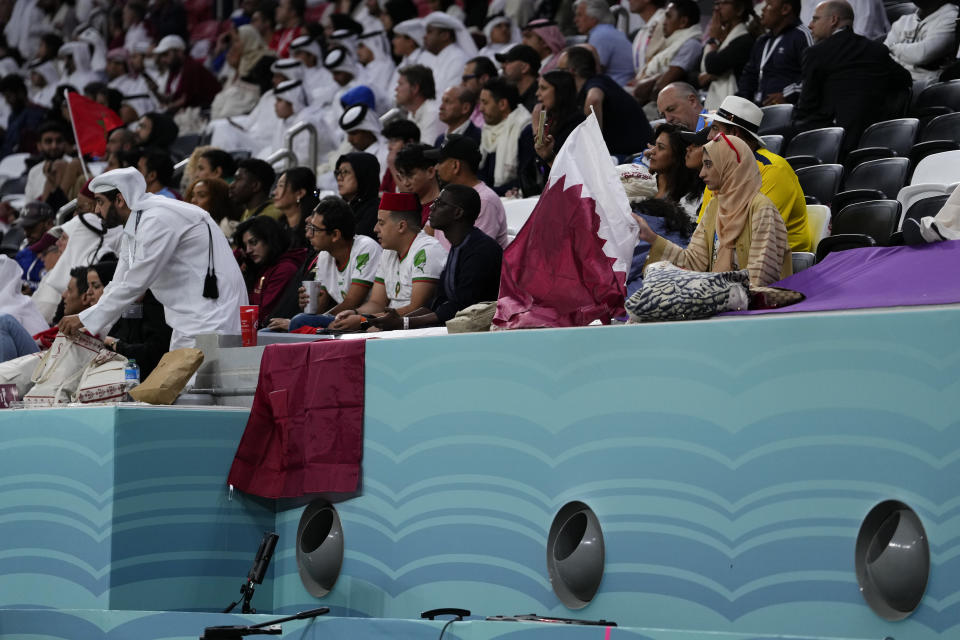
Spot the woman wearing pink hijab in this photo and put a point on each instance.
(740, 228)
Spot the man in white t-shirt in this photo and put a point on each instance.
(345, 266)
(410, 265)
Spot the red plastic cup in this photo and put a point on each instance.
(248, 324)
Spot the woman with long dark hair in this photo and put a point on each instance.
(675, 181)
(557, 98)
(295, 197)
(358, 181)
(268, 262)
(213, 196)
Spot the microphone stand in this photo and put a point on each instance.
(264, 628)
(257, 572)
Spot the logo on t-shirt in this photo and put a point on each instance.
(362, 260)
(420, 260)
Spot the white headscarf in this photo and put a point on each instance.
(292, 91)
(98, 61)
(84, 247)
(446, 21)
(290, 68)
(413, 29)
(13, 302)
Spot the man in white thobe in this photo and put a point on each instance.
(169, 247)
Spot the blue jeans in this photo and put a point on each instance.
(14, 339)
(310, 320)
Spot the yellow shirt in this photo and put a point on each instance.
(780, 184)
(270, 211)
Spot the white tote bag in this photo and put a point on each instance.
(19, 371)
(104, 379)
(58, 374)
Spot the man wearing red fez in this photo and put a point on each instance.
(410, 265)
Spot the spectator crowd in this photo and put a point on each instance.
(369, 146)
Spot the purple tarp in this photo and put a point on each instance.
(877, 277)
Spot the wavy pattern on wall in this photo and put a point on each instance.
(730, 464)
(126, 508)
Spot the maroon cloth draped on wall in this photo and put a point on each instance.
(305, 432)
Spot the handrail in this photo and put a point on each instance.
(288, 156)
(296, 130)
(182, 164)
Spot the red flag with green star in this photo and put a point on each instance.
(91, 123)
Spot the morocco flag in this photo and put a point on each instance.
(568, 265)
(91, 123)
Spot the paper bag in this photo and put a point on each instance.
(165, 383)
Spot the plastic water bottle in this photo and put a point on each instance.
(131, 375)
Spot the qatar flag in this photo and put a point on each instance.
(568, 265)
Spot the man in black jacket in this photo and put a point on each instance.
(472, 272)
(772, 75)
(848, 80)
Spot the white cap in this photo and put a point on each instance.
(169, 43)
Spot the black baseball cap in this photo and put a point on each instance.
(698, 138)
(458, 147)
(523, 53)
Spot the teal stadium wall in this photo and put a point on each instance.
(730, 463)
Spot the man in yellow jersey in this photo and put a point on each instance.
(740, 117)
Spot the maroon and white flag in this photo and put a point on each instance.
(568, 266)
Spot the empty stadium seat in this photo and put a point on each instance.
(13, 165)
(823, 144)
(945, 127)
(821, 181)
(518, 211)
(773, 143)
(873, 180)
(915, 192)
(818, 223)
(925, 207)
(923, 149)
(875, 218)
(777, 120)
(843, 243)
(939, 168)
(941, 94)
(884, 140)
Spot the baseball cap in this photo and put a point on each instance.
(33, 213)
(168, 43)
(523, 53)
(698, 138)
(458, 147)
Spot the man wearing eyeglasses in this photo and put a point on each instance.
(472, 272)
(345, 266)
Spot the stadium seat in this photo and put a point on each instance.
(939, 168)
(818, 223)
(875, 218)
(945, 127)
(884, 140)
(915, 192)
(777, 120)
(13, 165)
(803, 260)
(823, 144)
(926, 207)
(773, 143)
(184, 146)
(941, 94)
(873, 180)
(923, 149)
(13, 186)
(821, 181)
(843, 243)
(518, 211)
(801, 162)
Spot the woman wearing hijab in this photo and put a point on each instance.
(251, 58)
(358, 181)
(740, 228)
